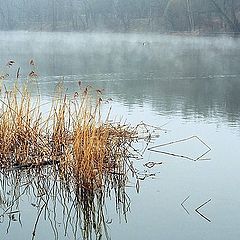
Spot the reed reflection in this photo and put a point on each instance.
(70, 209)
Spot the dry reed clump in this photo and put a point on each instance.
(20, 129)
(89, 148)
(72, 136)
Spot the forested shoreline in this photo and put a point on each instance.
(195, 16)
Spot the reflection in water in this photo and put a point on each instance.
(196, 77)
(68, 209)
(212, 98)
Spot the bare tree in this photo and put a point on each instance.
(190, 15)
(232, 20)
(118, 15)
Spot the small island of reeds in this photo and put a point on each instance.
(72, 135)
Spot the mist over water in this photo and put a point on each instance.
(76, 54)
(188, 85)
(197, 75)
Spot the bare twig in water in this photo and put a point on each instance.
(202, 215)
(18, 73)
(182, 204)
(154, 149)
(36, 222)
(152, 164)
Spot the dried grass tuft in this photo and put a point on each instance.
(73, 136)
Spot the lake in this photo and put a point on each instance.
(188, 86)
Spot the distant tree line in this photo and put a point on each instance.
(121, 15)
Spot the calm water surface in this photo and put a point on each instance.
(189, 86)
